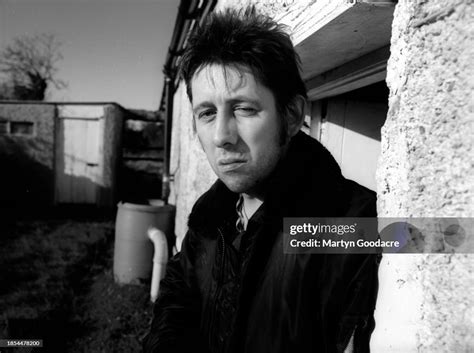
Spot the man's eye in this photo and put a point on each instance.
(245, 111)
(207, 114)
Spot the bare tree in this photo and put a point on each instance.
(30, 63)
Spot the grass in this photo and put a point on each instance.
(57, 285)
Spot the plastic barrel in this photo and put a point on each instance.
(133, 252)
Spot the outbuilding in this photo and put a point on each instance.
(59, 153)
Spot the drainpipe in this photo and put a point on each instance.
(160, 258)
(165, 190)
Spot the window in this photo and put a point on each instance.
(21, 128)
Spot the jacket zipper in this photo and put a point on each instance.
(221, 273)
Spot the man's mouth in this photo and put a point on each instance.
(230, 164)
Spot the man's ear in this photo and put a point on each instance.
(296, 113)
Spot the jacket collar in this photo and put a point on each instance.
(307, 181)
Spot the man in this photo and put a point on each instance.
(232, 288)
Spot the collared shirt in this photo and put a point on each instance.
(242, 219)
(241, 223)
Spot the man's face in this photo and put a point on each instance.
(238, 126)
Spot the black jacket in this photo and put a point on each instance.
(258, 299)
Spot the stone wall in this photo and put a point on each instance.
(426, 170)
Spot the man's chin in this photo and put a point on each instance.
(238, 186)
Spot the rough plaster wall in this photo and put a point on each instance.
(426, 170)
(275, 8)
(301, 17)
(270, 7)
(27, 161)
(192, 173)
(40, 147)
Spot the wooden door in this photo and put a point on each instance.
(351, 132)
(78, 156)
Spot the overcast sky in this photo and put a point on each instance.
(114, 50)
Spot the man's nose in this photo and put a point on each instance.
(225, 129)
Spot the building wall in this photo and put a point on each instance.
(191, 170)
(30, 162)
(426, 170)
(278, 8)
(88, 151)
(79, 168)
(27, 161)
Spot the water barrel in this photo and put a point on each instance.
(133, 252)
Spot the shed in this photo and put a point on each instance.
(59, 153)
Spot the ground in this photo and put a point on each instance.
(57, 284)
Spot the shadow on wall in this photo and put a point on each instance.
(364, 110)
(27, 184)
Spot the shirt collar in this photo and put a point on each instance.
(242, 219)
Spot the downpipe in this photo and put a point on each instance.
(160, 258)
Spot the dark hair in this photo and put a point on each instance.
(247, 38)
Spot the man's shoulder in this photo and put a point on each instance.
(311, 184)
(217, 193)
(212, 205)
(362, 201)
(357, 200)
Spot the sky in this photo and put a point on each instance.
(113, 50)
